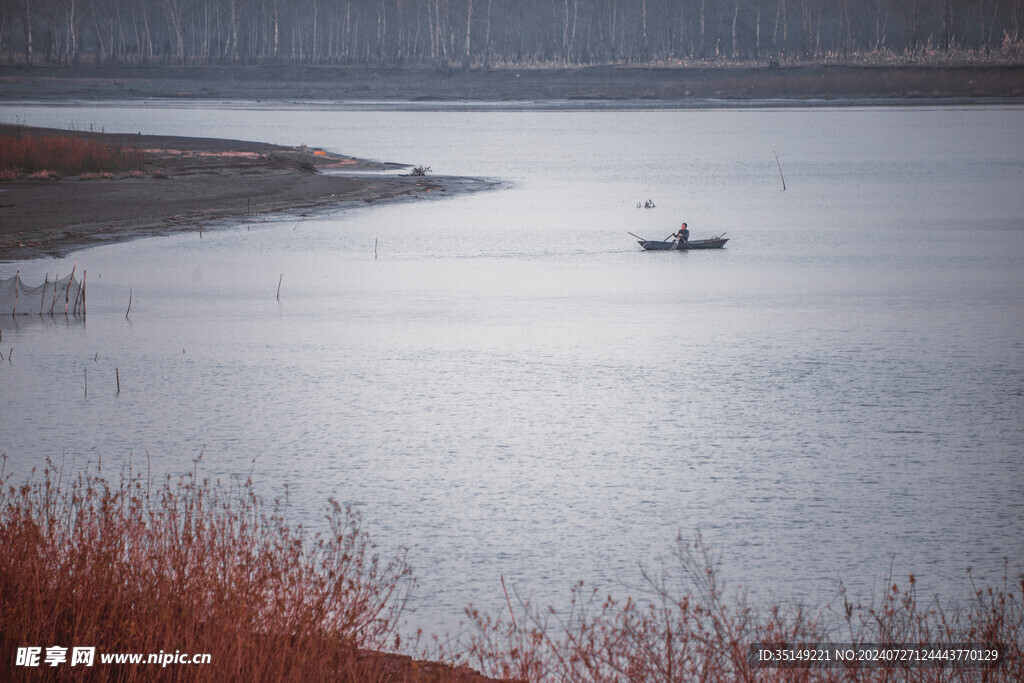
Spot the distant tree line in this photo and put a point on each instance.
(501, 32)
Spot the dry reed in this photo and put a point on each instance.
(47, 156)
(686, 629)
(192, 565)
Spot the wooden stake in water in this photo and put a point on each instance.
(79, 306)
(129, 304)
(86, 370)
(780, 171)
(117, 376)
(53, 304)
(374, 248)
(17, 286)
(67, 290)
(42, 301)
(279, 286)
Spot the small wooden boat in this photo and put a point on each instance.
(681, 245)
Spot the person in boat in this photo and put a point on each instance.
(683, 235)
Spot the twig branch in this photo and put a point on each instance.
(780, 171)
(509, 602)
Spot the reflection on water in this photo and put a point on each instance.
(512, 387)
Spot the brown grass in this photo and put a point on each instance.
(195, 566)
(62, 155)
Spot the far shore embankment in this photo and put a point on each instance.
(676, 85)
(192, 184)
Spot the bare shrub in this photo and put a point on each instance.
(686, 628)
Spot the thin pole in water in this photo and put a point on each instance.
(129, 304)
(86, 370)
(79, 306)
(279, 286)
(55, 287)
(780, 171)
(67, 290)
(117, 376)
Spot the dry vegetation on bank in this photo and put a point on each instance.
(185, 184)
(43, 156)
(687, 627)
(200, 566)
(195, 566)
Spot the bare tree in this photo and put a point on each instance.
(735, 17)
(28, 31)
(469, 26)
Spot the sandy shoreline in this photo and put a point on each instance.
(191, 184)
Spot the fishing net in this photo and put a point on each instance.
(61, 296)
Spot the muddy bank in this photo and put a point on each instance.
(679, 85)
(191, 184)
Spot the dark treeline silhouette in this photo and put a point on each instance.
(504, 32)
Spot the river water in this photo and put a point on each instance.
(510, 387)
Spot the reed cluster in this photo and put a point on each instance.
(685, 627)
(193, 566)
(48, 155)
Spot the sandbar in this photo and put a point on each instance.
(194, 184)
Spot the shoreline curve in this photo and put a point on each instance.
(194, 184)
